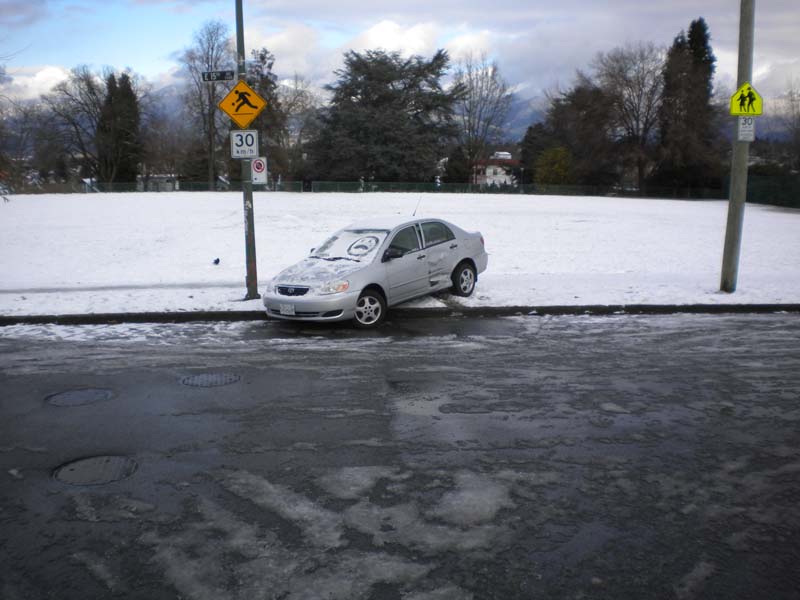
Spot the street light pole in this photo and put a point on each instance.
(741, 153)
(247, 182)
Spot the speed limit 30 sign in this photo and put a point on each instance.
(244, 143)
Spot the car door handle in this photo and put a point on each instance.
(453, 246)
(420, 257)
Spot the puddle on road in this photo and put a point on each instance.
(80, 397)
(96, 470)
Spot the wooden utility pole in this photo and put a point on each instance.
(741, 153)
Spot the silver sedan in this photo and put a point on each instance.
(363, 269)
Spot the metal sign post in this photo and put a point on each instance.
(247, 186)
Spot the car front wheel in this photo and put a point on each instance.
(370, 309)
(464, 279)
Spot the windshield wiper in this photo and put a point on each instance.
(334, 258)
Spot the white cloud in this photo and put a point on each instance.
(172, 77)
(296, 48)
(776, 78)
(471, 43)
(408, 40)
(30, 82)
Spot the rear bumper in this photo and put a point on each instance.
(481, 262)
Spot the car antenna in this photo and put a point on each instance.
(414, 214)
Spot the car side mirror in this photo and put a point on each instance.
(391, 253)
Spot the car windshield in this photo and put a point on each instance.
(351, 244)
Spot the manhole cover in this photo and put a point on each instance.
(96, 470)
(80, 397)
(210, 379)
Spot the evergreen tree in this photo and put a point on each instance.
(458, 168)
(119, 144)
(555, 167)
(689, 156)
(581, 122)
(389, 119)
(536, 141)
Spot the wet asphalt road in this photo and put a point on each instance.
(527, 457)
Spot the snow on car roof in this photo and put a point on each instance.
(388, 222)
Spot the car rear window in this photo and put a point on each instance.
(436, 233)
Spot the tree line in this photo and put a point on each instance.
(639, 117)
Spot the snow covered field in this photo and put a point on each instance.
(105, 253)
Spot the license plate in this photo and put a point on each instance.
(287, 309)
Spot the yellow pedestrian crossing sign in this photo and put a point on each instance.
(746, 102)
(242, 104)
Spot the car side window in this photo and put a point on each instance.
(406, 240)
(436, 233)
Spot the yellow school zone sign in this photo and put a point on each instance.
(746, 102)
(242, 104)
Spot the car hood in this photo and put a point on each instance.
(316, 270)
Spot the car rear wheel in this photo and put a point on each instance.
(464, 279)
(370, 309)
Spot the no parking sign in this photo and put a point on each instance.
(259, 169)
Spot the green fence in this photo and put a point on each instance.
(779, 190)
(236, 186)
(452, 188)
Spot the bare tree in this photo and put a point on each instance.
(301, 103)
(76, 108)
(212, 51)
(482, 107)
(76, 105)
(632, 78)
(790, 119)
(17, 130)
(165, 137)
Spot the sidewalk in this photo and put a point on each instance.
(410, 310)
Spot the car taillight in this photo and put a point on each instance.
(482, 242)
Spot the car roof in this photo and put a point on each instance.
(389, 222)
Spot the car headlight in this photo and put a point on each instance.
(334, 287)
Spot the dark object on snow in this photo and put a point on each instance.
(216, 261)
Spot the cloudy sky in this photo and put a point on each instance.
(538, 44)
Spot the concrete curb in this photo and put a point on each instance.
(493, 311)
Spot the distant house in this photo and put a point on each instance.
(497, 170)
(158, 183)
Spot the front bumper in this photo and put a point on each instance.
(333, 307)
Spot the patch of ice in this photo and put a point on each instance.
(350, 483)
(353, 575)
(449, 592)
(99, 569)
(320, 527)
(476, 499)
(403, 524)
